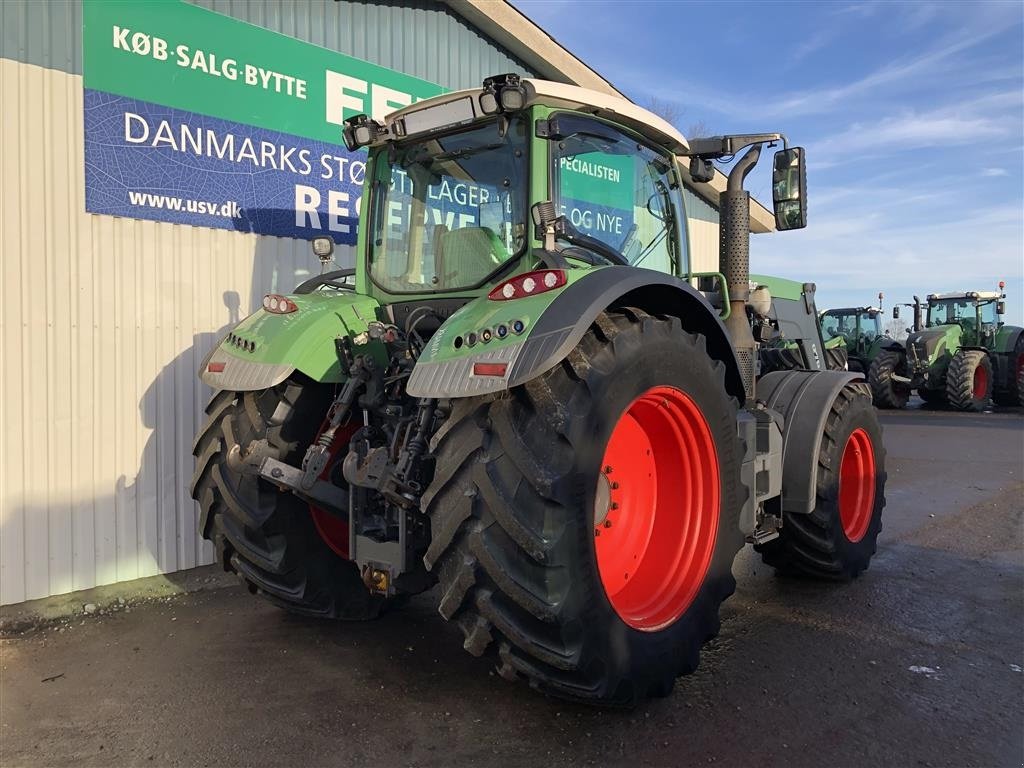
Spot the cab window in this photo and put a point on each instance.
(612, 187)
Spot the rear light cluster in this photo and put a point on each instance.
(528, 284)
(489, 369)
(279, 305)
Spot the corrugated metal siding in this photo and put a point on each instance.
(421, 38)
(104, 321)
(47, 33)
(702, 220)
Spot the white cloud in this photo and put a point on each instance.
(994, 172)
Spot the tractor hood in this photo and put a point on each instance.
(928, 344)
(266, 348)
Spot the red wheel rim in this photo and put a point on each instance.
(656, 510)
(980, 383)
(857, 485)
(332, 529)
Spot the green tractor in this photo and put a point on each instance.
(522, 400)
(963, 358)
(859, 331)
(788, 331)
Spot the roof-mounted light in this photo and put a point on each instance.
(504, 93)
(359, 131)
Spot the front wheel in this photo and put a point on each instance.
(885, 390)
(969, 380)
(585, 523)
(837, 539)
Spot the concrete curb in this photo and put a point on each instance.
(111, 598)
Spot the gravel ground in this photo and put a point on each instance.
(916, 663)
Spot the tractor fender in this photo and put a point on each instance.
(557, 329)
(803, 400)
(1006, 339)
(265, 348)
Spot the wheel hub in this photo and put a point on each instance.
(656, 508)
(857, 485)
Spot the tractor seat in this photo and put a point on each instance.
(466, 256)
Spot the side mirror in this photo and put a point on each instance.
(895, 313)
(1000, 307)
(789, 189)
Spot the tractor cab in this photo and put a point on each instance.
(976, 312)
(859, 327)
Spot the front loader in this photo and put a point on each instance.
(523, 401)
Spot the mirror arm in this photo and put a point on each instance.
(717, 147)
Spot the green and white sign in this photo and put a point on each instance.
(198, 118)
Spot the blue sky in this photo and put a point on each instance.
(912, 115)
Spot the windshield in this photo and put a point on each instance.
(450, 210)
(845, 324)
(946, 311)
(963, 311)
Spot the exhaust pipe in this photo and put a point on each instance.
(734, 262)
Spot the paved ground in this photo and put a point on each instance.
(917, 663)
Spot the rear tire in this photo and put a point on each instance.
(885, 391)
(969, 380)
(512, 510)
(837, 540)
(1014, 378)
(836, 359)
(265, 535)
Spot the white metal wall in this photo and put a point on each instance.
(103, 324)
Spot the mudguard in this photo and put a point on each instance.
(552, 323)
(803, 400)
(1006, 339)
(265, 348)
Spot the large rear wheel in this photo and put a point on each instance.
(1013, 378)
(885, 390)
(837, 539)
(969, 380)
(292, 555)
(585, 523)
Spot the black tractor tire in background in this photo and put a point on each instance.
(969, 380)
(780, 359)
(512, 510)
(838, 538)
(261, 533)
(885, 391)
(932, 397)
(837, 359)
(1014, 362)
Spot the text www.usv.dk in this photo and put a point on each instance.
(228, 210)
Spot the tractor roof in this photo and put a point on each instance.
(552, 94)
(984, 295)
(851, 310)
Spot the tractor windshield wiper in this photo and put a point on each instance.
(570, 234)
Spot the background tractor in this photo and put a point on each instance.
(964, 357)
(523, 401)
(858, 330)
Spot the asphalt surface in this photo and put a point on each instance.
(917, 663)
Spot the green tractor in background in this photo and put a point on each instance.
(964, 358)
(858, 330)
(523, 400)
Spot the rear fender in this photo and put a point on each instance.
(554, 322)
(266, 348)
(803, 399)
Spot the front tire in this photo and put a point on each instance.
(268, 536)
(523, 495)
(969, 380)
(838, 538)
(886, 391)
